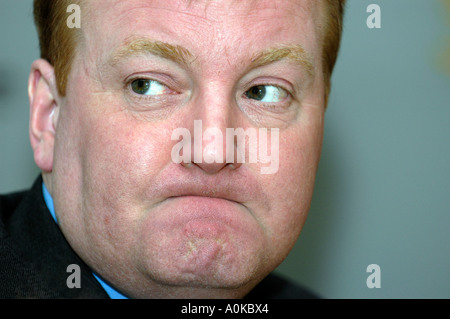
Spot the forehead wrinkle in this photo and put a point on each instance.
(140, 46)
(295, 53)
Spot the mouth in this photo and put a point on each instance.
(209, 192)
(205, 216)
(207, 205)
(237, 191)
(204, 197)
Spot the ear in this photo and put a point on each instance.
(44, 112)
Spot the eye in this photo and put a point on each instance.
(267, 93)
(148, 87)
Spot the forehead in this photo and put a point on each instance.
(206, 9)
(226, 26)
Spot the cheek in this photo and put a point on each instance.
(292, 187)
(122, 152)
(118, 159)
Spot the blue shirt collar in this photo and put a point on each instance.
(112, 293)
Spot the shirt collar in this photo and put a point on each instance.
(112, 293)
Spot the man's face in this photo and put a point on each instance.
(153, 227)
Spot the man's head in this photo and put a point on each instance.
(101, 130)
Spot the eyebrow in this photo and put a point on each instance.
(181, 55)
(295, 53)
(164, 50)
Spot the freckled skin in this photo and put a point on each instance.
(113, 175)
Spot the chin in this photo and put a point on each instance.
(204, 257)
(207, 244)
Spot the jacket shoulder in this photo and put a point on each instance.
(8, 204)
(34, 254)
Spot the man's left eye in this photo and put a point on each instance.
(267, 93)
(148, 87)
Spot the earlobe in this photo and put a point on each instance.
(43, 113)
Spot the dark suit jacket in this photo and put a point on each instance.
(34, 256)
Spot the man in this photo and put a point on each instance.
(105, 101)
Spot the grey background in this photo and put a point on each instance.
(382, 193)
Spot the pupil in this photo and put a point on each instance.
(257, 93)
(140, 86)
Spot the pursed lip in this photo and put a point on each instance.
(210, 189)
(235, 190)
(239, 187)
(191, 195)
(205, 196)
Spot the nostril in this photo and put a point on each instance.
(211, 168)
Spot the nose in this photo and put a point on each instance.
(213, 150)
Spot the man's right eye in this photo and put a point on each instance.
(148, 87)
